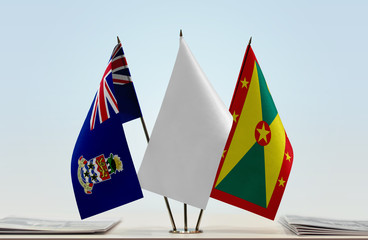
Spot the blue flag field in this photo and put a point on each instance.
(102, 170)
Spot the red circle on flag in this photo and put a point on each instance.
(263, 133)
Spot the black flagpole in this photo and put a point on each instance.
(199, 220)
(165, 198)
(147, 138)
(185, 205)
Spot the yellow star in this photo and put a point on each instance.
(281, 182)
(245, 83)
(223, 154)
(235, 116)
(288, 158)
(263, 133)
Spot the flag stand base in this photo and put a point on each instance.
(182, 231)
(186, 230)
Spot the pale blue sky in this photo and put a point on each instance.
(312, 53)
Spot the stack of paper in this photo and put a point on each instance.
(42, 226)
(322, 226)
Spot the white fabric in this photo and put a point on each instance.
(188, 138)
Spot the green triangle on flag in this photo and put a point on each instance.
(269, 110)
(247, 179)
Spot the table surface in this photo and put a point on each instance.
(219, 226)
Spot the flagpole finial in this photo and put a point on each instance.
(250, 41)
(118, 39)
(181, 33)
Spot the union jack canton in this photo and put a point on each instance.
(117, 68)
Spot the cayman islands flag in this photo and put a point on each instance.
(257, 158)
(102, 170)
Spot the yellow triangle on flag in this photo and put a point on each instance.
(243, 138)
(274, 155)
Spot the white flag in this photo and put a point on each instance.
(188, 138)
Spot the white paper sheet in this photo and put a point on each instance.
(46, 226)
(301, 225)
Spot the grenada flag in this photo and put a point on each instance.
(257, 158)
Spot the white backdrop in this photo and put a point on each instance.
(313, 55)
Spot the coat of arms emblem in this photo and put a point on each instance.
(97, 170)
